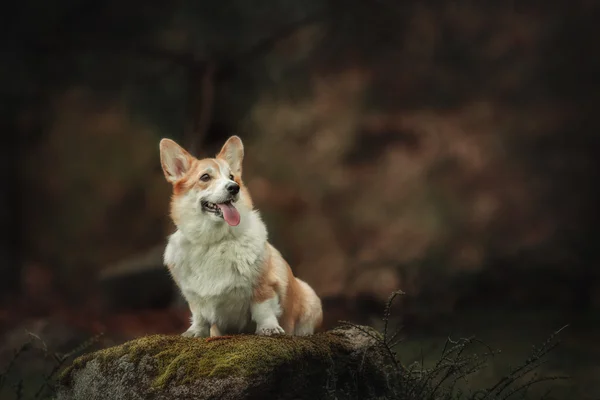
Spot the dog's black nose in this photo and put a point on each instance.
(233, 188)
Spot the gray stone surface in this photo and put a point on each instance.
(343, 363)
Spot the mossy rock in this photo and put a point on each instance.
(343, 363)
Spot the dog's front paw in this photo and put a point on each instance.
(270, 330)
(197, 332)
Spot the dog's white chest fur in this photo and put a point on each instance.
(217, 277)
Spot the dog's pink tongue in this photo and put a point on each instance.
(230, 213)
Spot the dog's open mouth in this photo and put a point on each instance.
(225, 210)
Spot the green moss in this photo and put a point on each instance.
(240, 355)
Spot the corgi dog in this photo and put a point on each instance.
(232, 278)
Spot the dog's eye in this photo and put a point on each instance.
(230, 176)
(205, 178)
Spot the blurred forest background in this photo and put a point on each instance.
(448, 149)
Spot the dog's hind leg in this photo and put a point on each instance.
(312, 312)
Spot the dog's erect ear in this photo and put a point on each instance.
(174, 159)
(233, 153)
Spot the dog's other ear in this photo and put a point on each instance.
(174, 159)
(233, 153)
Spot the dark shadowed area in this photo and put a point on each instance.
(447, 149)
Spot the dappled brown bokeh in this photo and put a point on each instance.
(446, 150)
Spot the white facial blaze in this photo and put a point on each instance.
(224, 173)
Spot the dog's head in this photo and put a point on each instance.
(207, 191)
